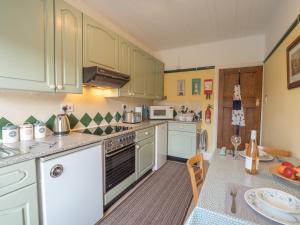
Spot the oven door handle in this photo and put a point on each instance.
(117, 152)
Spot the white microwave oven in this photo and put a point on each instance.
(161, 112)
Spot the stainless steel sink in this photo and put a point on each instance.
(7, 152)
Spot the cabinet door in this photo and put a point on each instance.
(150, 77)
(159, 80)
(181, 144)
(125, 51)
(68, 48)
(20, 207)
(138, 72)
(100, 45)
(146, 151)
(27, 45)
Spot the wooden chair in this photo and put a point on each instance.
(272, 151)
(195, 167)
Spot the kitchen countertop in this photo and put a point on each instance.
(224, 170)
(41, 147)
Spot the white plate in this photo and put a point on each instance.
(270, 213)
(262, 157)
(278, 200)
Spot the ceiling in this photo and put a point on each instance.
(166, 24)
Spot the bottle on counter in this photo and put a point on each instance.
(252, 155)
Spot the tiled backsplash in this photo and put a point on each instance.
(86, 120)
(90, 108)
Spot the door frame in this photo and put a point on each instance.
(216, 101)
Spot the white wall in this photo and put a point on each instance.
(239, 51)
(286, 12)
(85, 8)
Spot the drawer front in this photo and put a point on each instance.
(145, 133)
(186, 127)
(17, 176)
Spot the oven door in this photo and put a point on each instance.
(119, 165)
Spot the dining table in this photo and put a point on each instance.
(227, 172)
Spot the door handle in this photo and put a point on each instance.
(56, 170)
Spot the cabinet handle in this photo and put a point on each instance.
(137, 146)
(146, 133)
(56, 170)
(52, 86)
(60, 87)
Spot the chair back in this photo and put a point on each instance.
(195, 167)
(272, 151)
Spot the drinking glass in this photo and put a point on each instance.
(235, 141)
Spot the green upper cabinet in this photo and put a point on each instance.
(138, 72)
(68, 48)
(27, 45)
(100, 45)
(125, 54)
(150, 77)
(159, 80)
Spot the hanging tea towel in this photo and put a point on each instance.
(238, 118)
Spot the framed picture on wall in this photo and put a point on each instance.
(180, 87)
(293, 64)
(196, 86)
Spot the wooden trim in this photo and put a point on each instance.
(289, 48)
(190, 69)
(290, 29)
(220, 108)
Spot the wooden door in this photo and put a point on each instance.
(68, 48)
(251, 92)
(27, 45)
(100, 45)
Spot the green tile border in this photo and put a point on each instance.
(82, 123)
(190, 69)
(290, 29)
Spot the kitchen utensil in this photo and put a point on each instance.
(26, 132)
(233, 205)
(263, 157)
(270, 213)
(39, 129)
(274, 171)
(61, 125)
(278, 200)
(10, 134)
(132, 117)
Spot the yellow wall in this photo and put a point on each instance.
(281, 112)
(193, 102)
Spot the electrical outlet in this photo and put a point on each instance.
(69, 106)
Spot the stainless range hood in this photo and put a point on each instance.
(103, 78)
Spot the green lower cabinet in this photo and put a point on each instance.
(181, 144)
(20, 207)
(145, 154)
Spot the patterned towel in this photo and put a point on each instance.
(238, 118)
